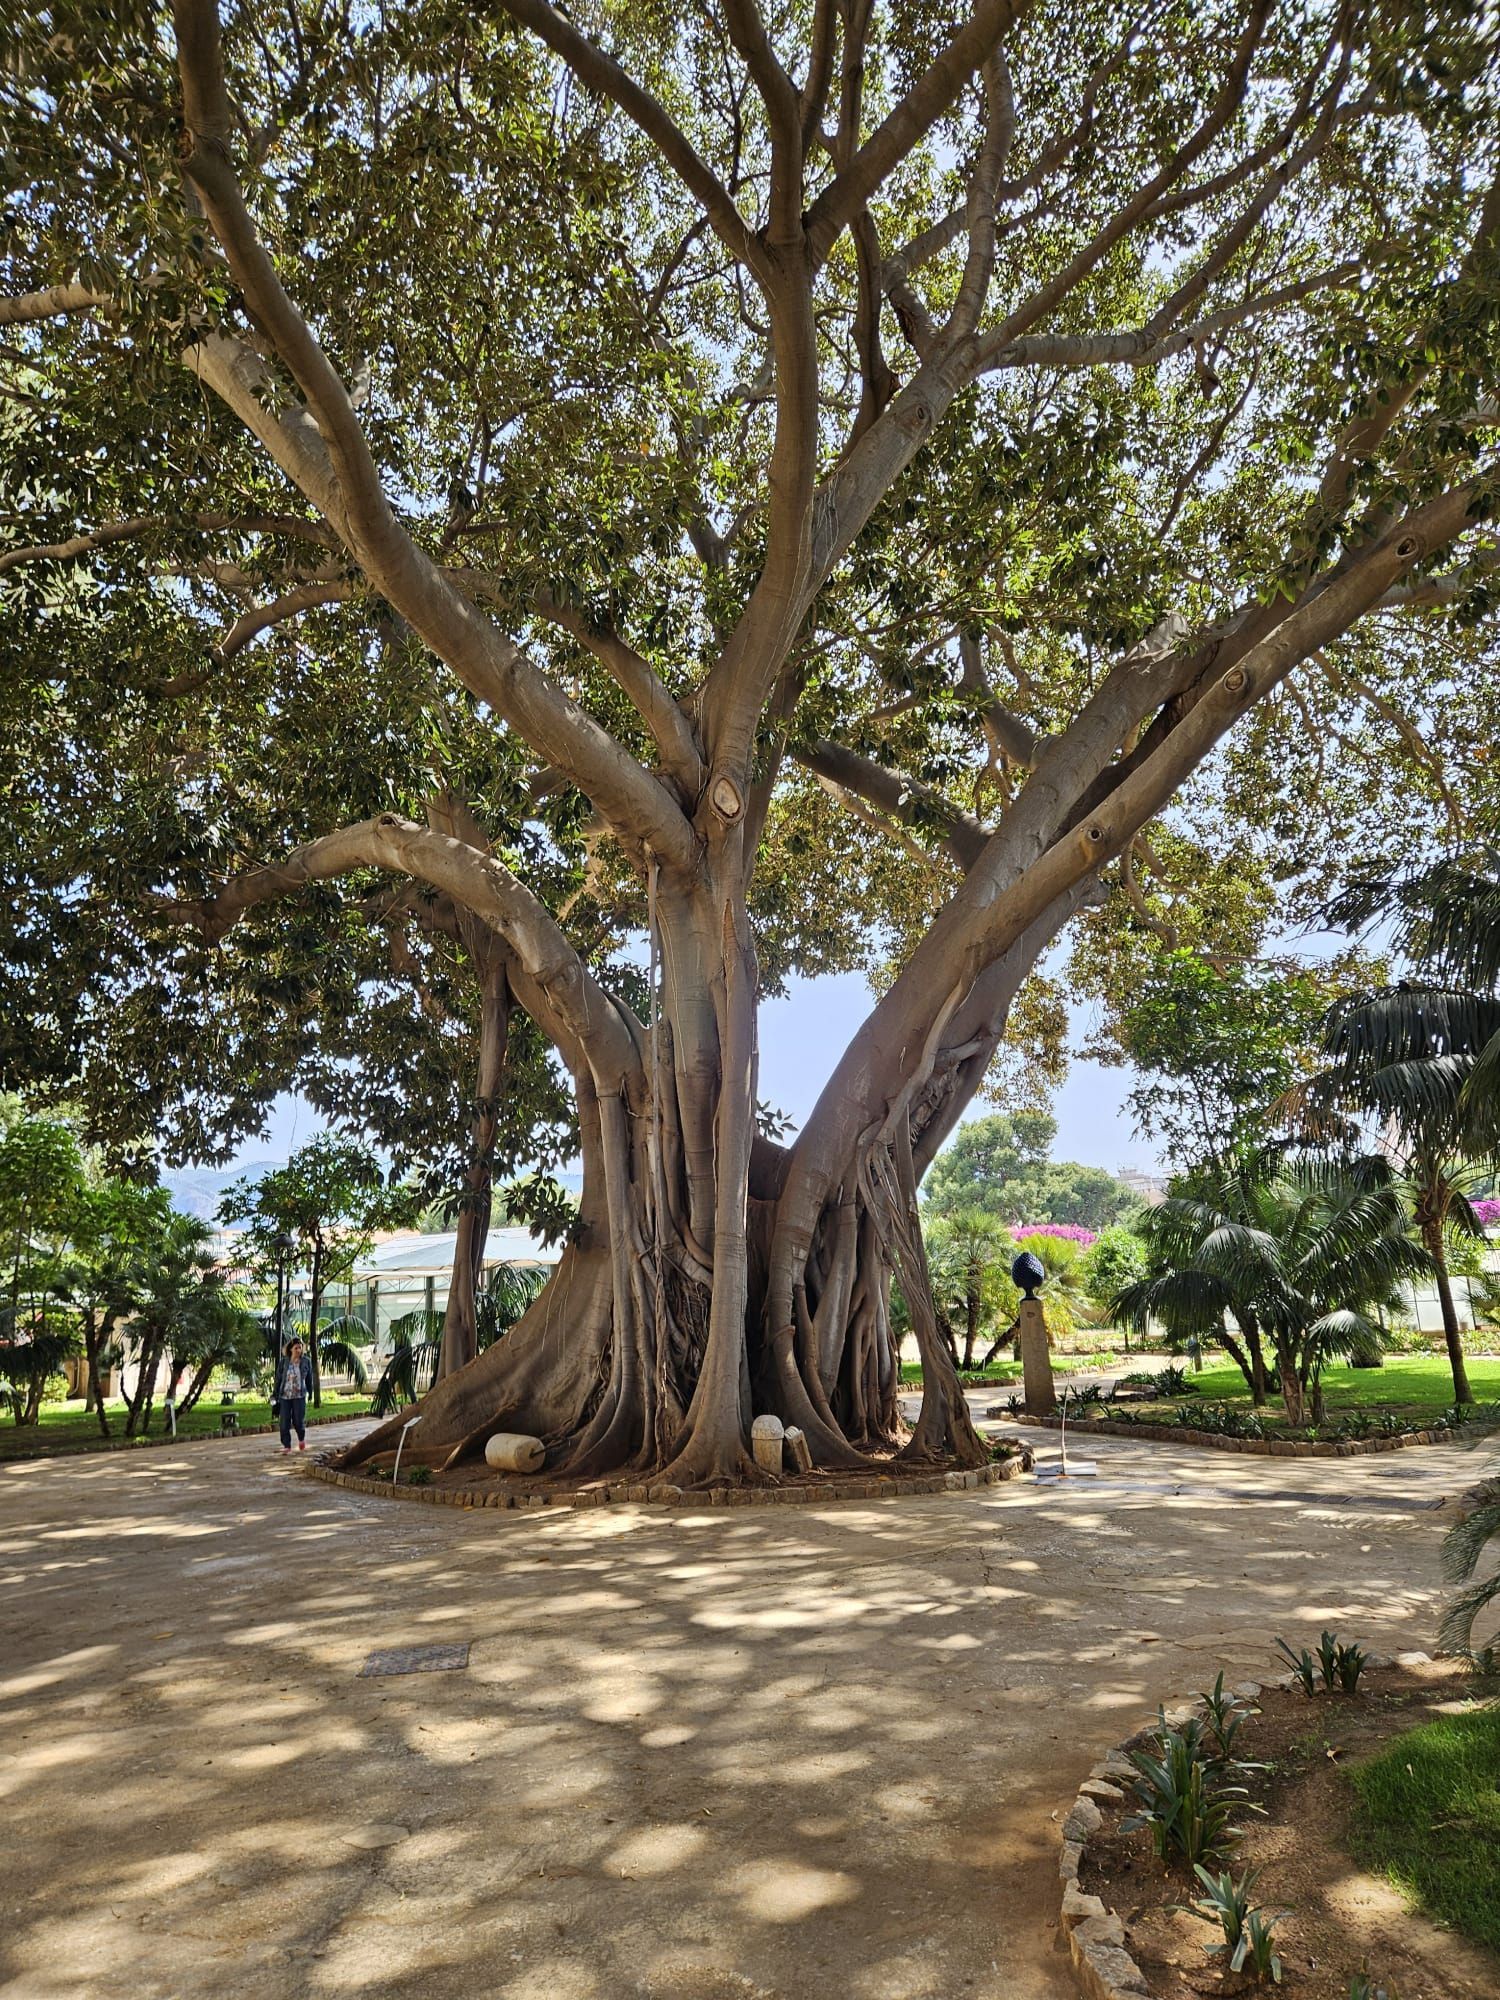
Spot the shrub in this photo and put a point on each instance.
(1182, 1798)
(1247, 1931)
(1304, 1666)
(1338, 1664)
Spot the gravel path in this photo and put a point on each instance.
(759, 1754)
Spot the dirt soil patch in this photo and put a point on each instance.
(1340, 1918)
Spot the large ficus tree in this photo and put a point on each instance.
(979, 416)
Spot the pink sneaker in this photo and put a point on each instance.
(302, 1444)
(286, 1451)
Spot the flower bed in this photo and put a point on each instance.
(1139, 1922)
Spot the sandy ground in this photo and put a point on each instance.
(811, 1753)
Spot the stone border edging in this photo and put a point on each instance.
(605, 1495)
(1083, 1426)
(1096, 1935)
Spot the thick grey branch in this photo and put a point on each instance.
(902, 799)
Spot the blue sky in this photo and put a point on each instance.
(802, 1037)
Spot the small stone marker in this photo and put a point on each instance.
(767, 1439)
(798, 1449)
(417, 1660)
(1041, 1395)
(507, 1451)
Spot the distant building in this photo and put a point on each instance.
(1144, 1182)
(411, 1272)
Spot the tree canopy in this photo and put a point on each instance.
(1001, 1165)
(805, 488)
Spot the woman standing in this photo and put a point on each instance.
(296, 1381)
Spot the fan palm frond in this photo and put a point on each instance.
(1456, 1631)
(504, 1297)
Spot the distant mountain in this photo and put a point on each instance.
(198, 1190)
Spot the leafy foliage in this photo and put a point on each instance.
(1218, 1047)
(1001, 1164)
(417, 1337)
(1298, 1251)
(1247, 1931)
(1463, 1547)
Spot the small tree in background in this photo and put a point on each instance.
(328, 1200)
(1219, 1046)
(969, 1255)
(179, 1285)
(115, 1255)
(41, 1195)
(1116, 1258)
(1002, 1165)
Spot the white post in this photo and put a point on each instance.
(396, 1468)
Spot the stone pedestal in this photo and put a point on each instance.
(1041, 1396)
(767, 1442)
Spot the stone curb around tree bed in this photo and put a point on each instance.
(1085, 1426)
(1095, 1934)
(834, 1488)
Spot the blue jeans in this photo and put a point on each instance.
(293, 1417)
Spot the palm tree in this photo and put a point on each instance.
(967, 1258)
(1463, 1545)
(1422, 1060)
(1295, 1252)
(412, 1368)
(339, 1340)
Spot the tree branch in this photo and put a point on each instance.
(1138, 346)
(50, 304)
(325, 451)
(933, 94)
(602, 73)
(475, 880)
(143, 524)
(904, 800)
(1011, 732)
(1221, 114)
(639, 680)
(783, 110)
(819, 68)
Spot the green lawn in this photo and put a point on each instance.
(1409, 1382)
(64, 1426)
(1428, 1816)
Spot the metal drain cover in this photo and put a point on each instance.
(418, 1660)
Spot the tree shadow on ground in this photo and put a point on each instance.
(696, 1754)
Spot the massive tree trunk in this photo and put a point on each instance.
(663, 1333)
